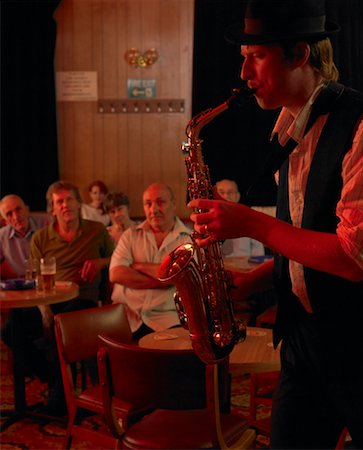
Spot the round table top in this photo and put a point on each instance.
(255, 354)
(63, 291)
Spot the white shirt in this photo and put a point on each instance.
(154, 307)
(90, 213)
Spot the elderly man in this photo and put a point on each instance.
(15, 236)
(136, 261)
(15, 239)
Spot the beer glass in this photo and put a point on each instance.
(48, 270)
(31, 268)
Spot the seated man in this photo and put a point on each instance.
(136, 261)
(15, 236)
(82, 248)
(243, 246)
(15, 239)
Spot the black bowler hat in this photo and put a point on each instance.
(267, 21)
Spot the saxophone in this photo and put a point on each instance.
(203, 300)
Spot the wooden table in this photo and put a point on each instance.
(14, 300)
(255, 354)
(63, 291)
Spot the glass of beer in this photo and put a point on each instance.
(31, 268)
(47, 271)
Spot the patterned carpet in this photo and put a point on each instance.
(41, 434)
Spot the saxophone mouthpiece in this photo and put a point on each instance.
(240, 96)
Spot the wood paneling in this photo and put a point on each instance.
(127, 151)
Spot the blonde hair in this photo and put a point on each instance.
(321, 58)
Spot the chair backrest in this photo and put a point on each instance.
(165, 379)
(77, 331)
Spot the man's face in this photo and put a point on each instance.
(228, 191)
(269, 74)
(65, 207)
(119, 214)
(16, 214)
(159, 207)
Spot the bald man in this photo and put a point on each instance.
(136, 260)
(15, 236)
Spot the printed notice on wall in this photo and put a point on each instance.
(77, 86)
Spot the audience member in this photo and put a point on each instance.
(117, 206)
(243, 246)
(15, 236)
(82, 248)
(137, 258)
(95, 210)
(15, 239)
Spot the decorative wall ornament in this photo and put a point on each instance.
(136, 59)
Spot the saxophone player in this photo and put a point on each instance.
(317, 236)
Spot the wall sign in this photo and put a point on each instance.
(76, 86)
(141, 88)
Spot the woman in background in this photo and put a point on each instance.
(94, 210)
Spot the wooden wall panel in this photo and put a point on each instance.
(126, 150)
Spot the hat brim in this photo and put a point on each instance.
(235, 35)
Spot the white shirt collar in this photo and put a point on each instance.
(287, 126)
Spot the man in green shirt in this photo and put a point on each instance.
(82, 249)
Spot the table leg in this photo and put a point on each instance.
(17, 339)
(21, 410)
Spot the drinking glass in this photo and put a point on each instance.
(48, 270)
(31, 268)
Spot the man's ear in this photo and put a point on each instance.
(301, 54)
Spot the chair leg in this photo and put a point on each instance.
(68, 437)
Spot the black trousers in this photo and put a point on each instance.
(320, 390)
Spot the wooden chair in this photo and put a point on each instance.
(262, 386)
(77, 340)
(167, 381)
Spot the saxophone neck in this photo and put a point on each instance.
(199, 121)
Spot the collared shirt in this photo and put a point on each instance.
(92, 241)
(15, 248)
(349, 209)
(154, 307)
